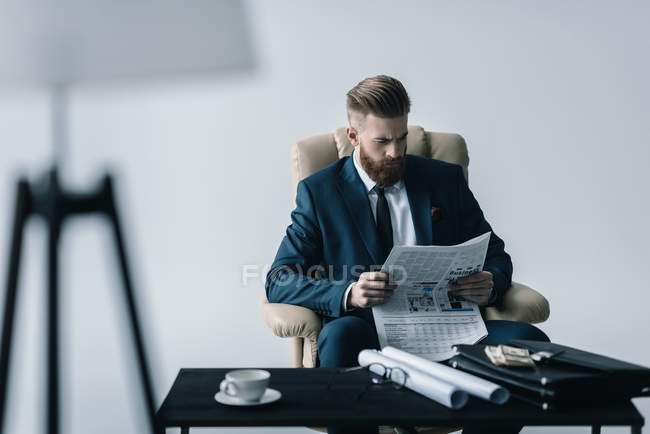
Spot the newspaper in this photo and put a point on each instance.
(422, 317)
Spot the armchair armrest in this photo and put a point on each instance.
(287, 320)
(521, 303)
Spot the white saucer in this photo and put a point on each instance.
(270, 395)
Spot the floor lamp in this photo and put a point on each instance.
(61, 43)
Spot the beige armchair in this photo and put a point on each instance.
(300, 324)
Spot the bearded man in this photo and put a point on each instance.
(349, 215)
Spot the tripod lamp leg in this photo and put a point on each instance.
(21, 213)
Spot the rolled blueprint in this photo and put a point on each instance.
(471, 384)
(431, 387)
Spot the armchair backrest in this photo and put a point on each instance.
(314, 153)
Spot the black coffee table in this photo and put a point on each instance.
(324, 397)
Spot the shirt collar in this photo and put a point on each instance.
(365, 178)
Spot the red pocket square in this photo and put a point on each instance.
(436, 214)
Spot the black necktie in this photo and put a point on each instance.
(384, 226)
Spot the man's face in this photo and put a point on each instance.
(381, 143)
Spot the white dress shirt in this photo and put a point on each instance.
(398, 206)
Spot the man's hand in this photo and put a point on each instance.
(476, 287)
(371, 289)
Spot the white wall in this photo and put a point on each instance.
(552, 98)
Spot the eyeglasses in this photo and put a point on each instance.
(378, 374)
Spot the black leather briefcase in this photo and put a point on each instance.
(569, 377)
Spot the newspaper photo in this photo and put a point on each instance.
(423, 317)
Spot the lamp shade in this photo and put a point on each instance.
(68, 41)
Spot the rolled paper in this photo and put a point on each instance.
(416, 380)
(470, 383)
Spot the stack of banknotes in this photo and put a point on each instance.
(504, 355)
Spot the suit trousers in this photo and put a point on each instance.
(341, 340)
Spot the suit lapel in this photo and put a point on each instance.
(356, 200)
(420, 203)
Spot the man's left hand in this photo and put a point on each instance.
(476, 287)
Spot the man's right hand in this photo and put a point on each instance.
(371, 289)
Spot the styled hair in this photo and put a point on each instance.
(383, 96)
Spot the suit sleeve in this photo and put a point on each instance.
(291, 279)
(473, 224)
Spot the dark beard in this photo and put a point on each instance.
(378, 172)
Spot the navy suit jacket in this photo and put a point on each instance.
(333, 230)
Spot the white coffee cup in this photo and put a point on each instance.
(246, 384)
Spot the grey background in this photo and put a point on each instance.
(72, 41)
(552, 98)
